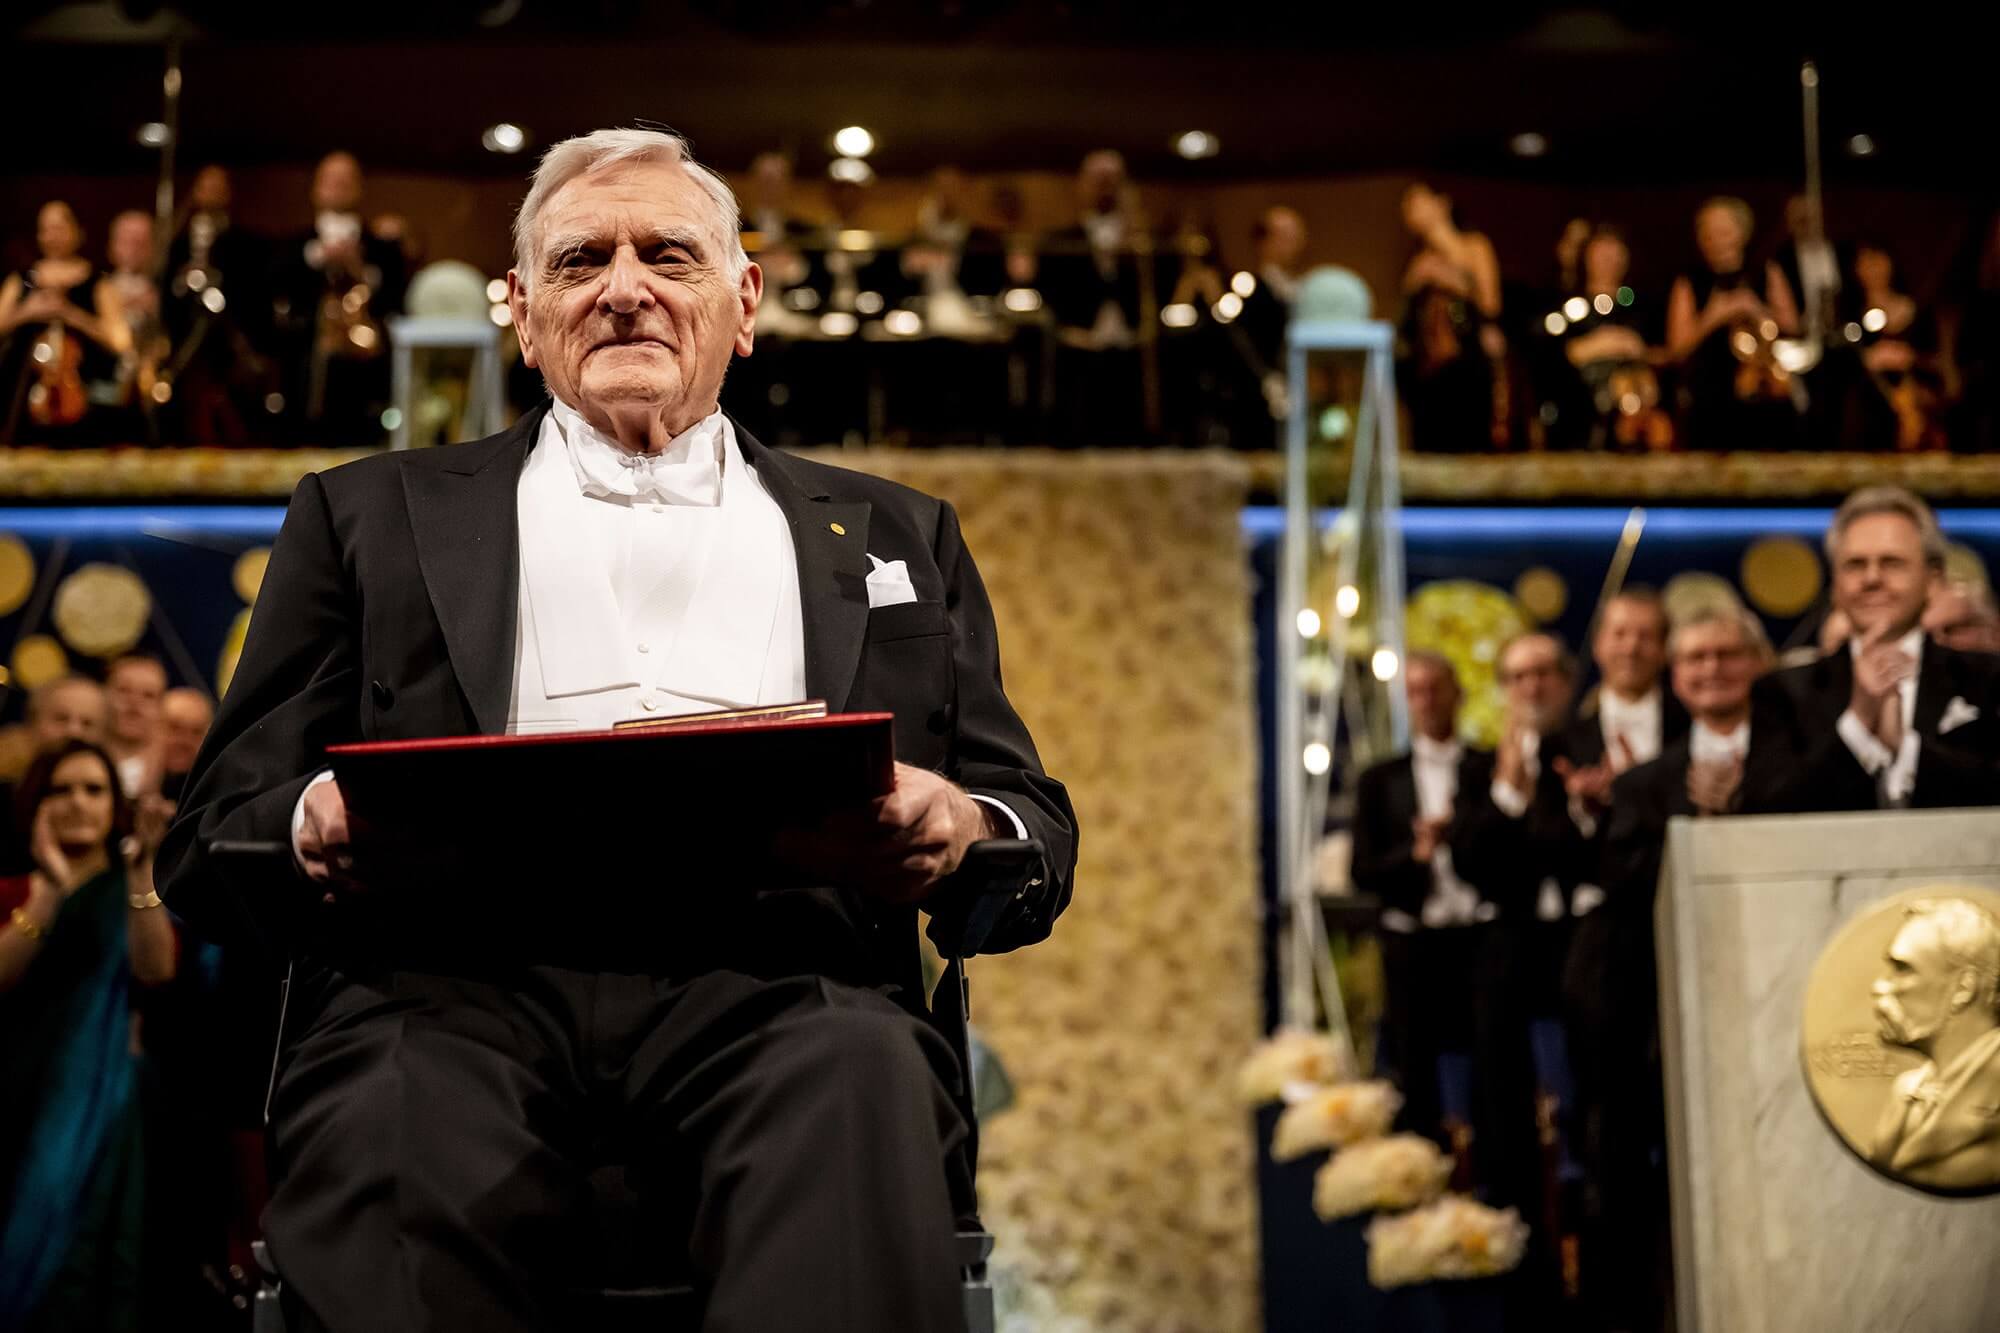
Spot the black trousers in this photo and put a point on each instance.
(432, 1139)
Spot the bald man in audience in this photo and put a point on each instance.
(134, 686)
(72, 708)
(185, 716)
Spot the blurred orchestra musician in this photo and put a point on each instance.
(951, 254)
(128, 393)
(1454, 373)
(1812, 267)
(334, 288)
(1723, 322)
(185, 717)
(1280, 235)
(1896, 402)
(61, 329)
(216, 310)
(1600, 326)
(1101, 282)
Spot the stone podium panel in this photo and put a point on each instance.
(1777, 1224)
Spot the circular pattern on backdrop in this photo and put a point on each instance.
(1467, 622)
(1781, 575)
(1962, 564)
(38, 659)
(101, 610)
(232, 651)
(17, 573)
(1542, 593)
(248, 575)
(1687, 593)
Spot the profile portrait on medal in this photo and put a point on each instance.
(1938, 994)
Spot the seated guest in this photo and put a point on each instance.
(1896, 719)
(1267, 311)
(1723, 765)
(1962, 617)
(1898, 400)
(950, 256)
(1404, 812)
(61, 330)
(335, 285)
(72, 708)
(1100, 280)
(185, 716)
(1606, 350)
(127, 395)
(434, 1126)
(1627, 719)
(77, 931)
(1722, 322)
(1453, 372)
(223, 375)
(133, 687)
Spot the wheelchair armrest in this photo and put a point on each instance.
(968, 906)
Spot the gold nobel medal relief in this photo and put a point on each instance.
(101, 610)
(1902, 1038)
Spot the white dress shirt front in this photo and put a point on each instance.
(1451, 902)
(1894, 771)
(1709, 746)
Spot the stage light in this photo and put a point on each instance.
(1309, 624)
(504, 138)
(1768, 330)
(850, 170)
(1197, 144)
(903, 323)
(1528, 144)
(162, 392)
(496, 290)
(1875, 319)
(1555, 323)
(154, 134)
(274, 403)
(1317, 758)
(1385, 664)
(1744, 343)
(1335, 422)
(838, 324)
(853, 142)
(196, 279)
(1626, 296)
(212, 298)
(1861, 146)
(1022, 300)
(868, 303)
(362, 336)
(1347, 601)
(1179, 315)
(501, 314)
(1576, 309)
(1602, 303)
(802, 299)
(1228, 308)
(1630, 404)
(1243, 284)
(1851, 331)
(392, 417)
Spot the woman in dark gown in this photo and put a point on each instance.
(1453, 367)
(1723, 321)
(58, 304)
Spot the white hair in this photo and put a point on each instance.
(586, 153)
(1720, 612)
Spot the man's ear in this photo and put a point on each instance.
(749, 292)
(517, 306)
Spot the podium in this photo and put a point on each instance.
(1778, 1224)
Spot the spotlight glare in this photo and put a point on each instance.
(1602, 303)
(1875, 319)
(1385, 664)
(853, 141)
(1861, 145)
(500, 313)
(838, 324)
(1228, 308)
(1528, 144)
(154, 134)
(1851, 331)
(1022, 300)
(1347, 601)
(1197, 144)
(1317, 758)
(1243, 284)
(903, 323)
(1309, 624)
(212, 299)
(496, 290)
(1179, 315)
(1555, 323)
(504, 138)
(1576, 309)
(850, 171)
(868, 303)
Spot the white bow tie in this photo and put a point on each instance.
(686, 472)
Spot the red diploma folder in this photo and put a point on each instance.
(732, 771)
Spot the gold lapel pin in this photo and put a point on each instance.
(838, 531)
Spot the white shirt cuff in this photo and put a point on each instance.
(1580, 815)
(1020, 829)
(1869, 752)
(1587, 899)
(1511, 802)
(299, 814)
(1901, 778)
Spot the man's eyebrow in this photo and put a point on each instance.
(687, 238)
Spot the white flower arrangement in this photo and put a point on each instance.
(1454, 1237)
(1333, 1117)
(1288, 1061)
(1401, 1171)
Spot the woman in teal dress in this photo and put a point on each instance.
(75, 934)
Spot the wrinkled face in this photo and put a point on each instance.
(1714, 668)
(1605, 263)
(1433, 696)
(79, 802)
(131, 244)
(134, 691)
(1880, 578)
(210, 190)
(631, 307)
(1954, 617)
(1424, 208)
(1917, 989)
(1534, 682)
(1631, 645)
(1719, 235)
(184, 719)
(337, 183)
(71, 712)
(56, 231)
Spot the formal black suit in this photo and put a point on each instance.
(1958, 767)
(1612, 991)
(432, 1126)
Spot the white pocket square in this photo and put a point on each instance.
(1956, 714)
(889, 583)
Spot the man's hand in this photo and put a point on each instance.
(152, 813)
(1878, 669)
(898, 846)
(325, 840)
(1428, 835)
(1589, 784)
(1712, 786)
(1510, 765)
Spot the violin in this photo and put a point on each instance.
(56, 397)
